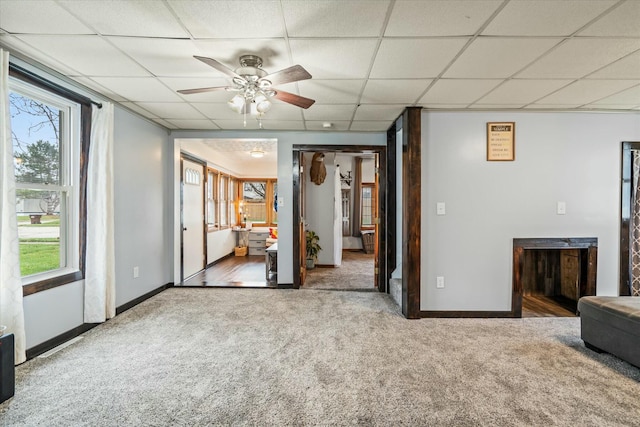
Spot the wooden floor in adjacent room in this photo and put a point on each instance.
(233, 272)
(542, 306)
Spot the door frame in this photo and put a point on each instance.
(626, 196)
(383, 253)
(191, 158)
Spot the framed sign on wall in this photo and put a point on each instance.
(501, 141)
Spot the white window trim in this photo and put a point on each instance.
(69, 176)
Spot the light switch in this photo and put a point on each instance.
(280, 201)
(440, 208)
(562, 208)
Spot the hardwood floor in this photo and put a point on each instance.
(233, 272)
(542, 306)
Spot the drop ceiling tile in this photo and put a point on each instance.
(522, 91)
(165, 57)
(39, 17)
(274, 53)
(629, 97)
(88, 55)
(165, 123)
(554, 107)
(327, 113)
(218, 96)
(172, 110)
(334, 58)
(331, 91)
(439, 18)
(378, 112)
(334, 18)
(283, 124)
(137, 109)
(194, 124)
(216, 111)
(578, 57)
(88, 83)
(608, 106)
(230, 19)
(14, 44)
(138, 89)
(445, 106)
(336, 125)
(625, 68)
(283, 111)
(496, 106)
(457, 91)
(148, 18)
(541, 18)
(622, 21)
(394, 91)
(586, 91)
(415, 58)
(237, 124)
(371, 126)
(498, 57)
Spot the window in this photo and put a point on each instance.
(223, 207)
(368, 205)
(211, 206)
(259, 197)
(46, 138)
(233, 201)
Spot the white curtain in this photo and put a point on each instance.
(99, 282)
(11, 308)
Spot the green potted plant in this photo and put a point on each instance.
(312, 248)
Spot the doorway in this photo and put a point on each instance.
(377, 217)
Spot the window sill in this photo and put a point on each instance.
(50, 283)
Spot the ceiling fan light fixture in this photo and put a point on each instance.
(237, 103)
(254, 86)
(262, 103)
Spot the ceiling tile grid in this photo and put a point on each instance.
(368, 59)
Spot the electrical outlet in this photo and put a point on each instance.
(561, 209)
(136, 272)
(440, 282)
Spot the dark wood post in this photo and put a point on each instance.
(411, 205)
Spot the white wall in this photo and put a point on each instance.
(286, 141)
(220, 243)
(143, 206)
(320, 211)
(570, 157)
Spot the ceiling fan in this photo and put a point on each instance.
(255, 86)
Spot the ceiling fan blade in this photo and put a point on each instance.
(292, 74)
(218, 66)
(297, 100)
(202, 89)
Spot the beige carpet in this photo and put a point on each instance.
(261, 357)
(355, 273)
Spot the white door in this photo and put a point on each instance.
(193, 259)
